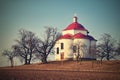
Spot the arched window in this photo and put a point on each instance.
(57, 50)
(74, 49)
(62, 45)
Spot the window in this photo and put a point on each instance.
(57, 50)
(74, 49)
(62, 46)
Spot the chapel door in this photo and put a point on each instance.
(62, 55)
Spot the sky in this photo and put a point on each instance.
(98, 16)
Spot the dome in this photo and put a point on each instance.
(76, 36)
(66, 36)
(75, 26)
(82, 36)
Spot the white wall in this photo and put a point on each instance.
(84, 50)
(80, 31)
(68, 52)
(68, 32)
(93, 47)
(73, 32)
(67, 49)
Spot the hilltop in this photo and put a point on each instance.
(109, 66)
(67, 70)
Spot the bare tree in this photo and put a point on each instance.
(106, 47)
(100, 52)
(77, 49)
(92, 52)
(118, 48)
(46, 43)
(10, 55)
(25, 46)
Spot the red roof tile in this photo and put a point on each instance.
(75, 26)
(66, 36)
(78, 35)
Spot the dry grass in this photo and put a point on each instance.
(67, 70)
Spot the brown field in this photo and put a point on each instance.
(68, 70)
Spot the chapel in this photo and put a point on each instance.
(75, 40)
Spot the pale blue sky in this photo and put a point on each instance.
(98, 16)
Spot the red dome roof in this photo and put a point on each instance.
(66, 36)
(80, 35)
(75, 26)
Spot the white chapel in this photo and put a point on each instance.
(75, 39)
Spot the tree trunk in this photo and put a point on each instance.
(77, 58)
(26, 62)
(29, 60)
(108, 57)
(12, 62)
(44, 59)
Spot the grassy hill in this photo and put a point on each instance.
(67, 70)
(110, 66)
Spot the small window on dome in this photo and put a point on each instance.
(62, 45)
